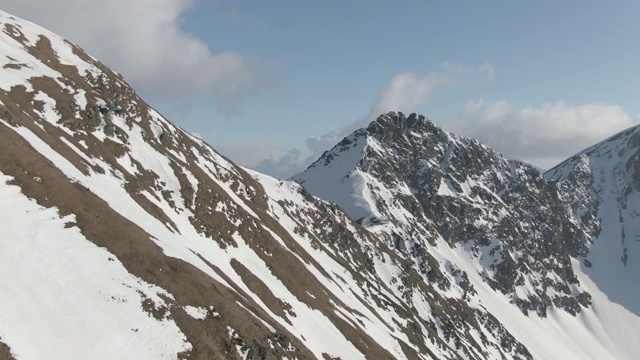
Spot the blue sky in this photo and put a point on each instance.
(273, 83)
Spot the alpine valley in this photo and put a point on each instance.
(122, 236)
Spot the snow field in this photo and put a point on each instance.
(68, 298)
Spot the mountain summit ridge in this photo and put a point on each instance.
(601, 185)
(419, 185)
(452, 186)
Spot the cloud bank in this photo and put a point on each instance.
(265, 157)
(143, 40)
(406, 92)
(542, 136)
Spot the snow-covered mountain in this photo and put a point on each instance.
(601, 186)
(123, 236)
(455, 208)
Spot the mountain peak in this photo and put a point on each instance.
(419, 184)
(390, 126)
(601, 185)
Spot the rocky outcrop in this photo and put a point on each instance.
(446, 186)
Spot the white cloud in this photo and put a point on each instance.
(407, 91)
(542, 136)
(282, 163)
(143, 40)
(267, 158)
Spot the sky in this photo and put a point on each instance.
(272, 84)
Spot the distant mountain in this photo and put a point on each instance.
(454, 207)
(123, 236)
(601, 186)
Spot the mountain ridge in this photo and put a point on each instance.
(542, 244)
(429, 171)
(186, 237)
(604, 180)
(134, 238)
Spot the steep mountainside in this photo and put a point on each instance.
(125, 237)
(426, 183)
(455, 208)
(601, 186)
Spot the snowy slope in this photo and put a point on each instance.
(126, 237)
(142, 241)
(602, 187)
(492, 230)
(425, 184)
(43, 279)
(186, 221)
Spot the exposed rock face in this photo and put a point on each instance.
(527, 235)
(600, 187)
(5, 352)
(132, 238)
(425, 183)
(201, 258)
